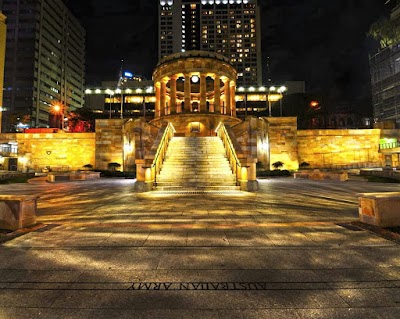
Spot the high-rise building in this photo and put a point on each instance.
(385, 75)
(228, 27)
(3, 30)
(45, 59)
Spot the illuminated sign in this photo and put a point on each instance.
(128, 74)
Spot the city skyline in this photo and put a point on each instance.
(326, 46)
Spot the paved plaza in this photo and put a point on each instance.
(103, 251)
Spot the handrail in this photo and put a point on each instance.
(161, 151)
(222, 133)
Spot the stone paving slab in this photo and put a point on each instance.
(284, 252)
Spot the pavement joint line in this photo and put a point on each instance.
(194, 285)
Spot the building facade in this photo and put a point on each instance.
(45, 59)
(3, 30)
(385, 79)
(231, 28)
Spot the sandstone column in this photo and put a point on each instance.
(187, 93)
(217, 95)
(163, 98)
(173, 94)
(203, 93)
(233, 101)
(227, 97)
(157, 106)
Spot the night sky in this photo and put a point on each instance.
(319, 41)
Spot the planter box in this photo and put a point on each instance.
(17, 211)
(379, 209)
(321, 176)
(72, 176)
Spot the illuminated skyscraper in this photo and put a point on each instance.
(228, 27)
(45, 58)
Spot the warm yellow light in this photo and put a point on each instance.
(274, 97)
(128, 148)
(282, 89)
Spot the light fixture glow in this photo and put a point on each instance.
(195, 79)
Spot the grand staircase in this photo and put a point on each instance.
(196, 163)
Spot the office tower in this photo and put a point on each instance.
(228, 27)
(45, 57)
(3, 30)
(385, 74)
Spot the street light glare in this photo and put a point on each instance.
(282, 89)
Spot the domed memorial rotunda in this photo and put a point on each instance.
(195, 87)
(197, 145)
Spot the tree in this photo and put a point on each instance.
(16, 118)
(386, 31)
(81, 120)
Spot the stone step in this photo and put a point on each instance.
(196, 189)
(196, 178)
(196, 164)
(173, 172)
(194, 157)
(196, 173)
(194, 184)
(193, 163)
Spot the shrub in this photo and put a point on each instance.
(304, 165)
(113, 166)
(277, 165)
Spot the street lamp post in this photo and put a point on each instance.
(271, 89)
(281, 90)
(122, 102)
(275, 95)
(110, 94)
(59, 111)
